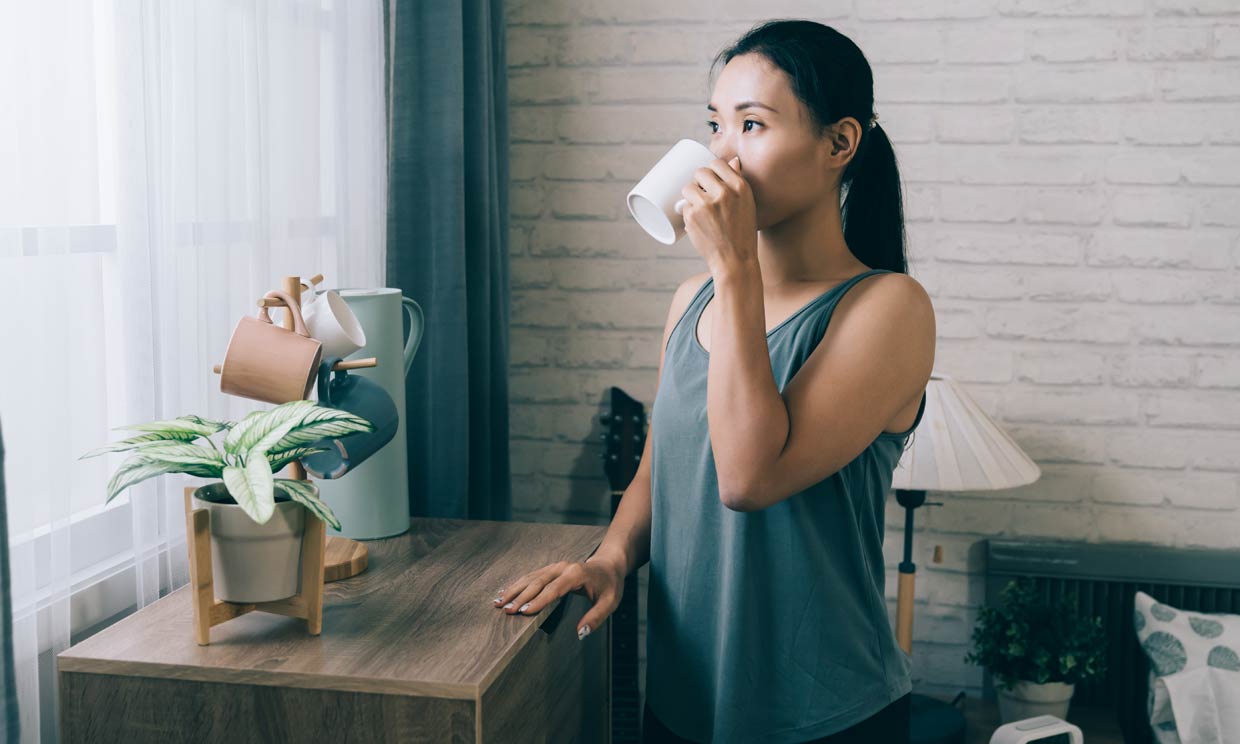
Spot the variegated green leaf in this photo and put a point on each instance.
(252, 492)
(253, 428)
(194, 459)
(304, 493)
(237, 429)
(262, 482)
(217, 425)
(195, 425)
(135, 470)
(239, 488)
(128, 444)
(280, 459)
(267, 443)
(323, 422)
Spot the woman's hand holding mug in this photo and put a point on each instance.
(599, 579)
(720, 216)
(655, 202)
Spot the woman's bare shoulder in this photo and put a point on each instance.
(685, 292)
(680, 302)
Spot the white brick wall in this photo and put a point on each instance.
(1072, 173)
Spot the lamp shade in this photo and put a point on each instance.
(956, 447)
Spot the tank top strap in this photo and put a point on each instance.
(819, 310)
(688, 319)
(793, 341)
(686, 326)
(839, 290)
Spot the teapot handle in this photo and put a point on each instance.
(417, 324)
(299, 325)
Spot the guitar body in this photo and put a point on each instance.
(626, 439)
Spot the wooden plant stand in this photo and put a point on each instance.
(307, 603)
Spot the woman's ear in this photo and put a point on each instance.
(838, 145)
(845, 135)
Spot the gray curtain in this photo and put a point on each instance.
(447, 247)
(10, 723)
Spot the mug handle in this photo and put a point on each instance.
(325, 376)
(680, 205)
(299, 325)
(417, 324)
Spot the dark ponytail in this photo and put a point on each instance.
(831, 76)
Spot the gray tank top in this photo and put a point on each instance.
(765, 626)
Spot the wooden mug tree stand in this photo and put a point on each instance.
(322, 558)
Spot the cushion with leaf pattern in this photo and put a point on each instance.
(1194, 672)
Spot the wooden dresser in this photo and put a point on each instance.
(412, 650)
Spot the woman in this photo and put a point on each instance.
(759, 500)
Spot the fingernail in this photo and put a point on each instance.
(524, 607)
(509, 605)
(497, 600)
(585, 631)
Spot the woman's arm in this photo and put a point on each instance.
(875, 358)
(747, 418)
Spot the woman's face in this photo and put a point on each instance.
(789, 168)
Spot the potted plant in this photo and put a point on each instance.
(1036, 651)
(257, 520)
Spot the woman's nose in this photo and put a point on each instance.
(724, 153)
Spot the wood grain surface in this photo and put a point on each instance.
(418, 621)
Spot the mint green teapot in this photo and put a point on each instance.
(372, 501)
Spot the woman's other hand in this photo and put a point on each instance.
(598, 578)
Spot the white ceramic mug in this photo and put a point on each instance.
(655, 202)
(331, 321)
(309, 291)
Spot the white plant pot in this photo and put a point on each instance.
(1029, 699)
(253, 562)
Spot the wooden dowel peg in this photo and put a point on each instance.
(272, 302)
(292, 288)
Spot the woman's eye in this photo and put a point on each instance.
(714, 125)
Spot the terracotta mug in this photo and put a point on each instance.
(269, 363)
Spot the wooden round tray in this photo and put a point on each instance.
(345, 558)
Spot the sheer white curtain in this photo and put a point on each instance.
(162, 165)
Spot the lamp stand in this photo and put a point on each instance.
(932, 721)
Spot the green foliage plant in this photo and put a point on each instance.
(250, 452)
(1027, 638)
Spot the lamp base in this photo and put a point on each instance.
(932, 721)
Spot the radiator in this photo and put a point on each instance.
(1105, 577)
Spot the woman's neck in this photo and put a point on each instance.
(807, 247)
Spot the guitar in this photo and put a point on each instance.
(625, 439)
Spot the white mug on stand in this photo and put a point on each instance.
(330, 319)
(655, 202)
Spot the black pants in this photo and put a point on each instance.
(891, 724)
